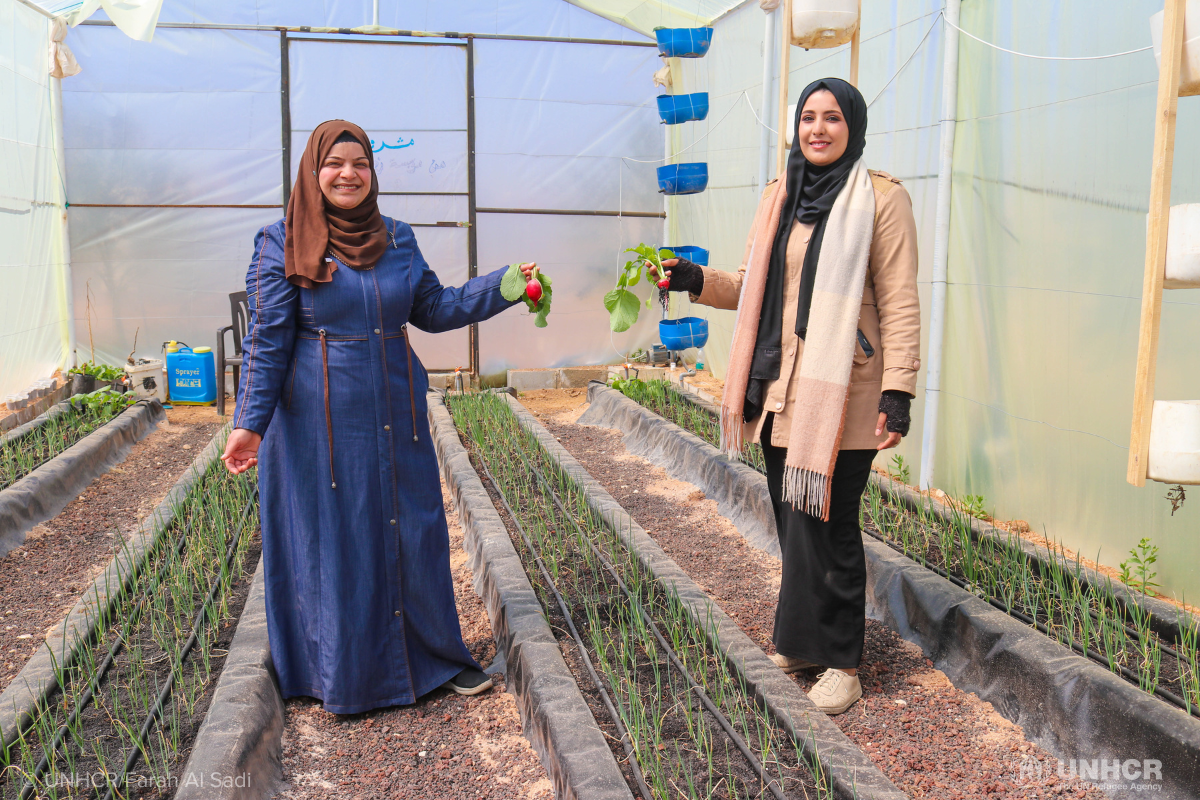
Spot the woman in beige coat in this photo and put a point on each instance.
(831, 263)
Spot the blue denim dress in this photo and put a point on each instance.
(360, 600)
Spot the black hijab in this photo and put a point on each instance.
(811, 192)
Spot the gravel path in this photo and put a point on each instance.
(41, 580)
(443, 746)
(929, 738)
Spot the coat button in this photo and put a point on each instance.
(387, 427)
(392, 522)
(377, 330)
(778, 406)
(397, 613)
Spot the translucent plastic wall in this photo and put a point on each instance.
(1051, 184)
(33, 301)
(156, 131)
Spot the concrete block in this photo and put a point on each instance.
(524, 380)
(578, 377)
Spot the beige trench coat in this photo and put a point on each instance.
(890, 318)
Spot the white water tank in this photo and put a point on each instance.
(823, 23)
(1175, 442)
(1183, 247)
(1189, 74)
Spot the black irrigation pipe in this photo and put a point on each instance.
(626, 741)
(97, 678)
(48, 459)
(1087, 652)
(140, 745)
(764, 776)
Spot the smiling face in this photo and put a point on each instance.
(345, 175)
(823, 133)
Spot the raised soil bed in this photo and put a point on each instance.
(1032, 680)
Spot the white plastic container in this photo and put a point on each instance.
(146, 379)
(1183, 247)
(1175, 442)
(823, 23)
(1189, 74)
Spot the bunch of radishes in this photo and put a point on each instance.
(535, 291)
(623, 305)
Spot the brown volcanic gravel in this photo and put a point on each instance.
(41, 580)
(931, 739)
(443, 747)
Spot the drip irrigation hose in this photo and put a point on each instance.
(1087, 652)
(626, 741)
(771, 783)
(94, 684)
(48, 459)
(177, 667)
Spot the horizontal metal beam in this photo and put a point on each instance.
(172, 205)
(36, 8)
(385, 32)
(570, 213)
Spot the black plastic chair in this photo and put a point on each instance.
(239, 309)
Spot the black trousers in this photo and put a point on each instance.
(821, 615)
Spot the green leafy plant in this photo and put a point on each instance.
(975, 505)
(535, 292)
(101, 372)
(622, 304)
(1141, 558)
(899, 469)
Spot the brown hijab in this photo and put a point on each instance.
(315, 226)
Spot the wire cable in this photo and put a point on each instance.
(1047, 58)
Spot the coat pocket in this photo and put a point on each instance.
(290, 385)
(863, 349)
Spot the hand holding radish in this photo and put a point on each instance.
(525, 282)
(652, 271)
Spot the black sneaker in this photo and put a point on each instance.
(469, 682)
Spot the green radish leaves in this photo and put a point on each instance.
(512, 287)
(623, 305)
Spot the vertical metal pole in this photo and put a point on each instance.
(60, 150)
(285, 115)
(785, 61)
(768, 73)
(854, 42)
(472, 236)
(941, 244)
(375, 14)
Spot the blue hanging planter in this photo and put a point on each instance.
(696, 255)
(683, 178)
(677, 108)
(680, 334)
(683, 42)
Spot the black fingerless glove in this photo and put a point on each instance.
(686, 277)
(896, 405)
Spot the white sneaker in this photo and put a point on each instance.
(835, 691)
(789, 665)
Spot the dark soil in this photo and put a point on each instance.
(41, 580)
(931, 739)
(441, 747)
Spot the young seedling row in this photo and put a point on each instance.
(22, 455)
(687, 725)
(1052, 596)
(130, 702)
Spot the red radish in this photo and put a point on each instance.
(665, 283)
(534, 289)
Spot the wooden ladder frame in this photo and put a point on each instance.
(1156, 239)
(785, 62)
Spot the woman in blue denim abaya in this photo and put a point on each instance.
(360, 600)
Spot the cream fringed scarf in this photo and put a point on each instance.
(824, 382)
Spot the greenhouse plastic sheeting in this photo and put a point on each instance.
(194, 119)
(34, 318)
(1051, 185)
